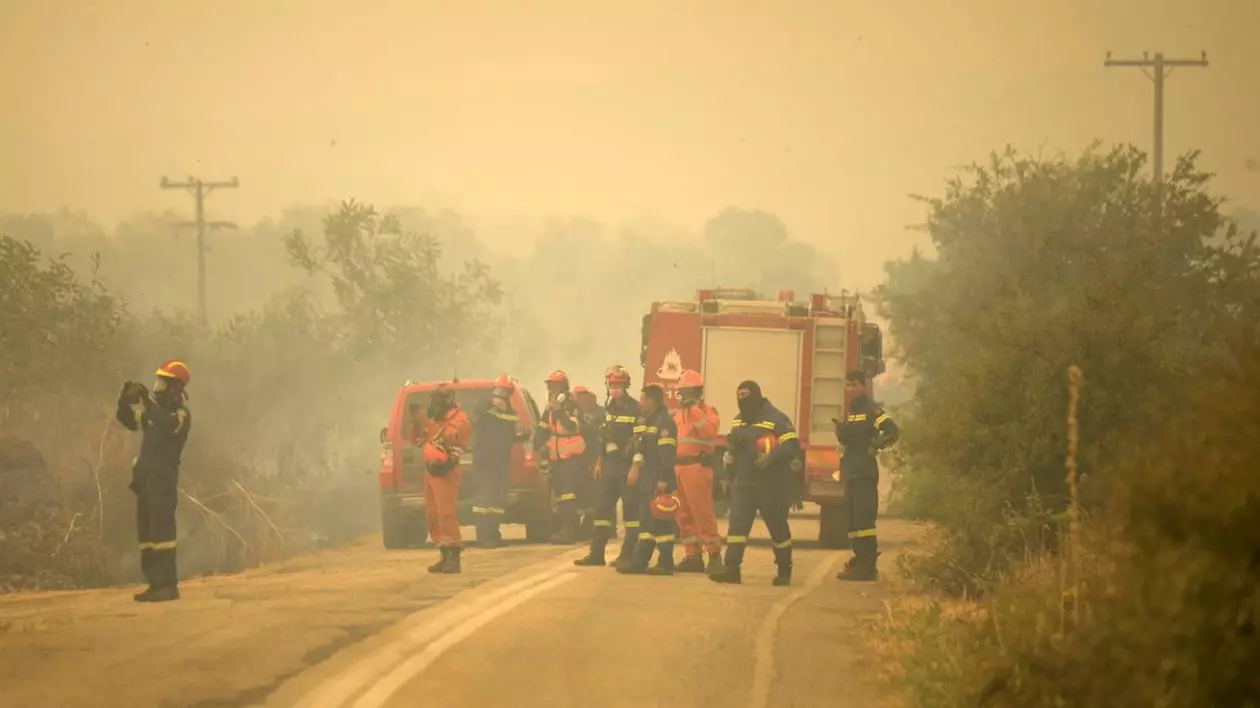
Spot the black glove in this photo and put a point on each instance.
(129, 394)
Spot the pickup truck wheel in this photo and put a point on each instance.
(399, 527)
(833, 525)
(538, 523)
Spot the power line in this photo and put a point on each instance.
(199, 189)
(1162, 69)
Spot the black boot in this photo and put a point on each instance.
(860, 568)
(728, 574)
(691, 564)
(783, 559)
(166, 594)
(452, 561)
(715, 563)
(628, 546)
(642, 556)
(440, 566)
(146, 569)
(665, 559)
(595, 556)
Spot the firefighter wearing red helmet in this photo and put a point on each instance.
(698, 428)
(652, 474)
(621, 412)
(162, 417)
(496, 431)
(561, 448)
(763, 455)
(445, 440)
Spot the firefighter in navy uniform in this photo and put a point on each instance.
(165, 422)
(592, 419)
(763, 454)
(562, 453)
(621, 412)
(652, 476)
(866, 432)
(497, 430)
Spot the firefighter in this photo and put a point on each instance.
(592, 419)
(164, 421)
(497, 430)
(445, 440)
(866, 432)
(762, 455)
(621, 412)
(698, 425)
(652, 474)
(562, 452)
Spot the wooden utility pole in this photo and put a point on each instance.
(199, 189)
(1161, 68)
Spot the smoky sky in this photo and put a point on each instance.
(827, 113)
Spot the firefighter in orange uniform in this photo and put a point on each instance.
(445, 440)
(698, 426)
(562, 452)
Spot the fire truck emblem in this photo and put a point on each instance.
(671, 368)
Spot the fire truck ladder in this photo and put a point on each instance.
(827, 400)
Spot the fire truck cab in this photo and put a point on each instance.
(799, 352)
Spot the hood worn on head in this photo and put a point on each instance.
(750, 404)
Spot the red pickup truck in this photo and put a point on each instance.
(402, 470)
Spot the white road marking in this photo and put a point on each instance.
(383, 690)
(763, 670)
(337, 691)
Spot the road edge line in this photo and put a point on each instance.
(339, 690)
(385, 688)
(764, 671)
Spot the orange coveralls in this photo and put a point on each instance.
(451, 433)
(698, 427)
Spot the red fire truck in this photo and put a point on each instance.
(799, 352)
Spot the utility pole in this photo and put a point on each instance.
(199, 189)
(1161, 68)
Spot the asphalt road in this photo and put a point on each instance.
(521, 627)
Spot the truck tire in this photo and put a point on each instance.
(833, 525)
(402, 529)
(538, 522)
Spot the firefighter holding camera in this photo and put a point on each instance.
(161, 416)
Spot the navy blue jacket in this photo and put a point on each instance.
(866, 430)
(741, 441)
(656, 438)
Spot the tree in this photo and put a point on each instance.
(1042, 264)
(393, 298)
(751, 248)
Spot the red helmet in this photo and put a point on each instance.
(691, 379)
(504, 381)
(664, 506)
(617, 376)
(559, 377)
(435, 454)
(767, 443)
(580, 389)
(175, 369)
